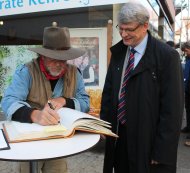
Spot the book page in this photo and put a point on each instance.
(69, 116)
(21, 131)
(87, 122)
(94, 126)
(76, 120)
(26, 128)
(70, 120)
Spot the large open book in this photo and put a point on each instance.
(70, 121)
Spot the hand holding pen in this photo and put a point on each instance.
(46, 116)
(50, 105)
(57, 103)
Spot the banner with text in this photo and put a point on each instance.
(13, 7)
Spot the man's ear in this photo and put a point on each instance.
(145, 27)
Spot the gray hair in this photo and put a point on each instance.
(187, 44)
(133, 12)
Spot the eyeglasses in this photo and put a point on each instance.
(50, 60)
(129, 30)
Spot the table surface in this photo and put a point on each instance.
(49, 149)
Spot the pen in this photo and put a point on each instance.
(51, 106)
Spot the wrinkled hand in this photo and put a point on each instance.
(46, 116)
(58, 102)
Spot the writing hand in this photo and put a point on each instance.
(58, 102)
(46, 116)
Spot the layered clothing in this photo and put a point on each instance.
(154, 107)
(30, 88)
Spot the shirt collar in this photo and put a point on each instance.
(141, 47)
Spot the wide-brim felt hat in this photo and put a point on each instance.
(56, 44)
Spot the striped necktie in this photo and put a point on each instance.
(121, 114)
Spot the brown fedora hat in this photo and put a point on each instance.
(56, 44)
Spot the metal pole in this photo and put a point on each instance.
(33, 167)
(180, 27)
(182, 1)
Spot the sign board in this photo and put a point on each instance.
(13, 7)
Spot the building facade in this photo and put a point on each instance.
(92, 25)
(24, 23)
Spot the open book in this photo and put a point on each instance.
(70, 121)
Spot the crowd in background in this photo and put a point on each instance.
(184, 52)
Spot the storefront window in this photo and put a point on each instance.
(155, 6)
(168, 33)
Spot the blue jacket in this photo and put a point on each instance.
(15, 95)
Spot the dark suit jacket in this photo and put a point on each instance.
(155, 101)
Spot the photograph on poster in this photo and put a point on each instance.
(89, 62)
(94, 61)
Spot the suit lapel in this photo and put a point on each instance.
(119, 69)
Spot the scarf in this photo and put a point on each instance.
(47, 74)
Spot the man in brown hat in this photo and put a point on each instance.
(47, 78)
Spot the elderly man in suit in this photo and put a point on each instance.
(143, 98)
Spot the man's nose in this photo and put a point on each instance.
(57, 63)
(123, 33)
